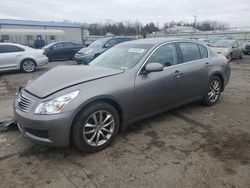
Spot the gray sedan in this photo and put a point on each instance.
(129, 82)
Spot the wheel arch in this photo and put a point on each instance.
(27, 58)
(108, 100)
(218, 74)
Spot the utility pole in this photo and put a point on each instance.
(195, 17)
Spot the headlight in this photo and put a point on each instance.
(88, 51)
(56, 105)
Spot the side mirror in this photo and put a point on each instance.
(153, 67)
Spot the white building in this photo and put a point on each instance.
(27, 31)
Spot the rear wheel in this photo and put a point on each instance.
(95, 127)
(213, 91)
(28, 65)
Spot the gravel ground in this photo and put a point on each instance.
(193, 146)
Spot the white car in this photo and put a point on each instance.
(20, 57)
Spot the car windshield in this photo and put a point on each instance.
(223, 43)
(121, 57)
(97, 43)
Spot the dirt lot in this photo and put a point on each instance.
(194, 146)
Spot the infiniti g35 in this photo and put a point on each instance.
(129, 82)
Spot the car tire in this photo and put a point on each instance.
(213, 91)
(95, 127)
(28, 66)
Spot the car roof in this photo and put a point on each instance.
(16, 44)
(12, 44)
(8, 43)
(157, 41)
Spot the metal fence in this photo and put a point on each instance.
(243, 36)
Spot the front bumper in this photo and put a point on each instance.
(83, 59)
(51, 130)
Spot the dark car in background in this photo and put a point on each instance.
(129, 82)
(61, 50)
(246, 48)
(85, 55)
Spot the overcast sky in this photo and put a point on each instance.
(235, 13)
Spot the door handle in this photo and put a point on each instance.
(177, 74)
(207, 64)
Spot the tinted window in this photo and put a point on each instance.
(190, 51)
(203, 51)
(69, 45)
(58, 46)
(166, 55)
(10, 49)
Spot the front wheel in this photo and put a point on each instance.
(213, 91)
(28, 65)
(95, 127)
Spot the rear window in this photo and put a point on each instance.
(190, 51)
(10, 49)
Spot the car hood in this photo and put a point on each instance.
(86, 50)
(220, 50)
(63, 77)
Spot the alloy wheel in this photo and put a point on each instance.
(214, 90)
(98, 128)
(29, 66)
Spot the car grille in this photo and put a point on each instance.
(23, 103)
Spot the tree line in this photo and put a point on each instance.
(137, 28)
(207, 25)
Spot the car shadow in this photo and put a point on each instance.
(138, 127)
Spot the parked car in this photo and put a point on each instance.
(206, 41)
(85, 55)
(20, 57)
(61, 50)
(127, 83)
(229, 48)
(246, 48)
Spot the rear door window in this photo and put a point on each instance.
(190, 51)
(70, 45)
